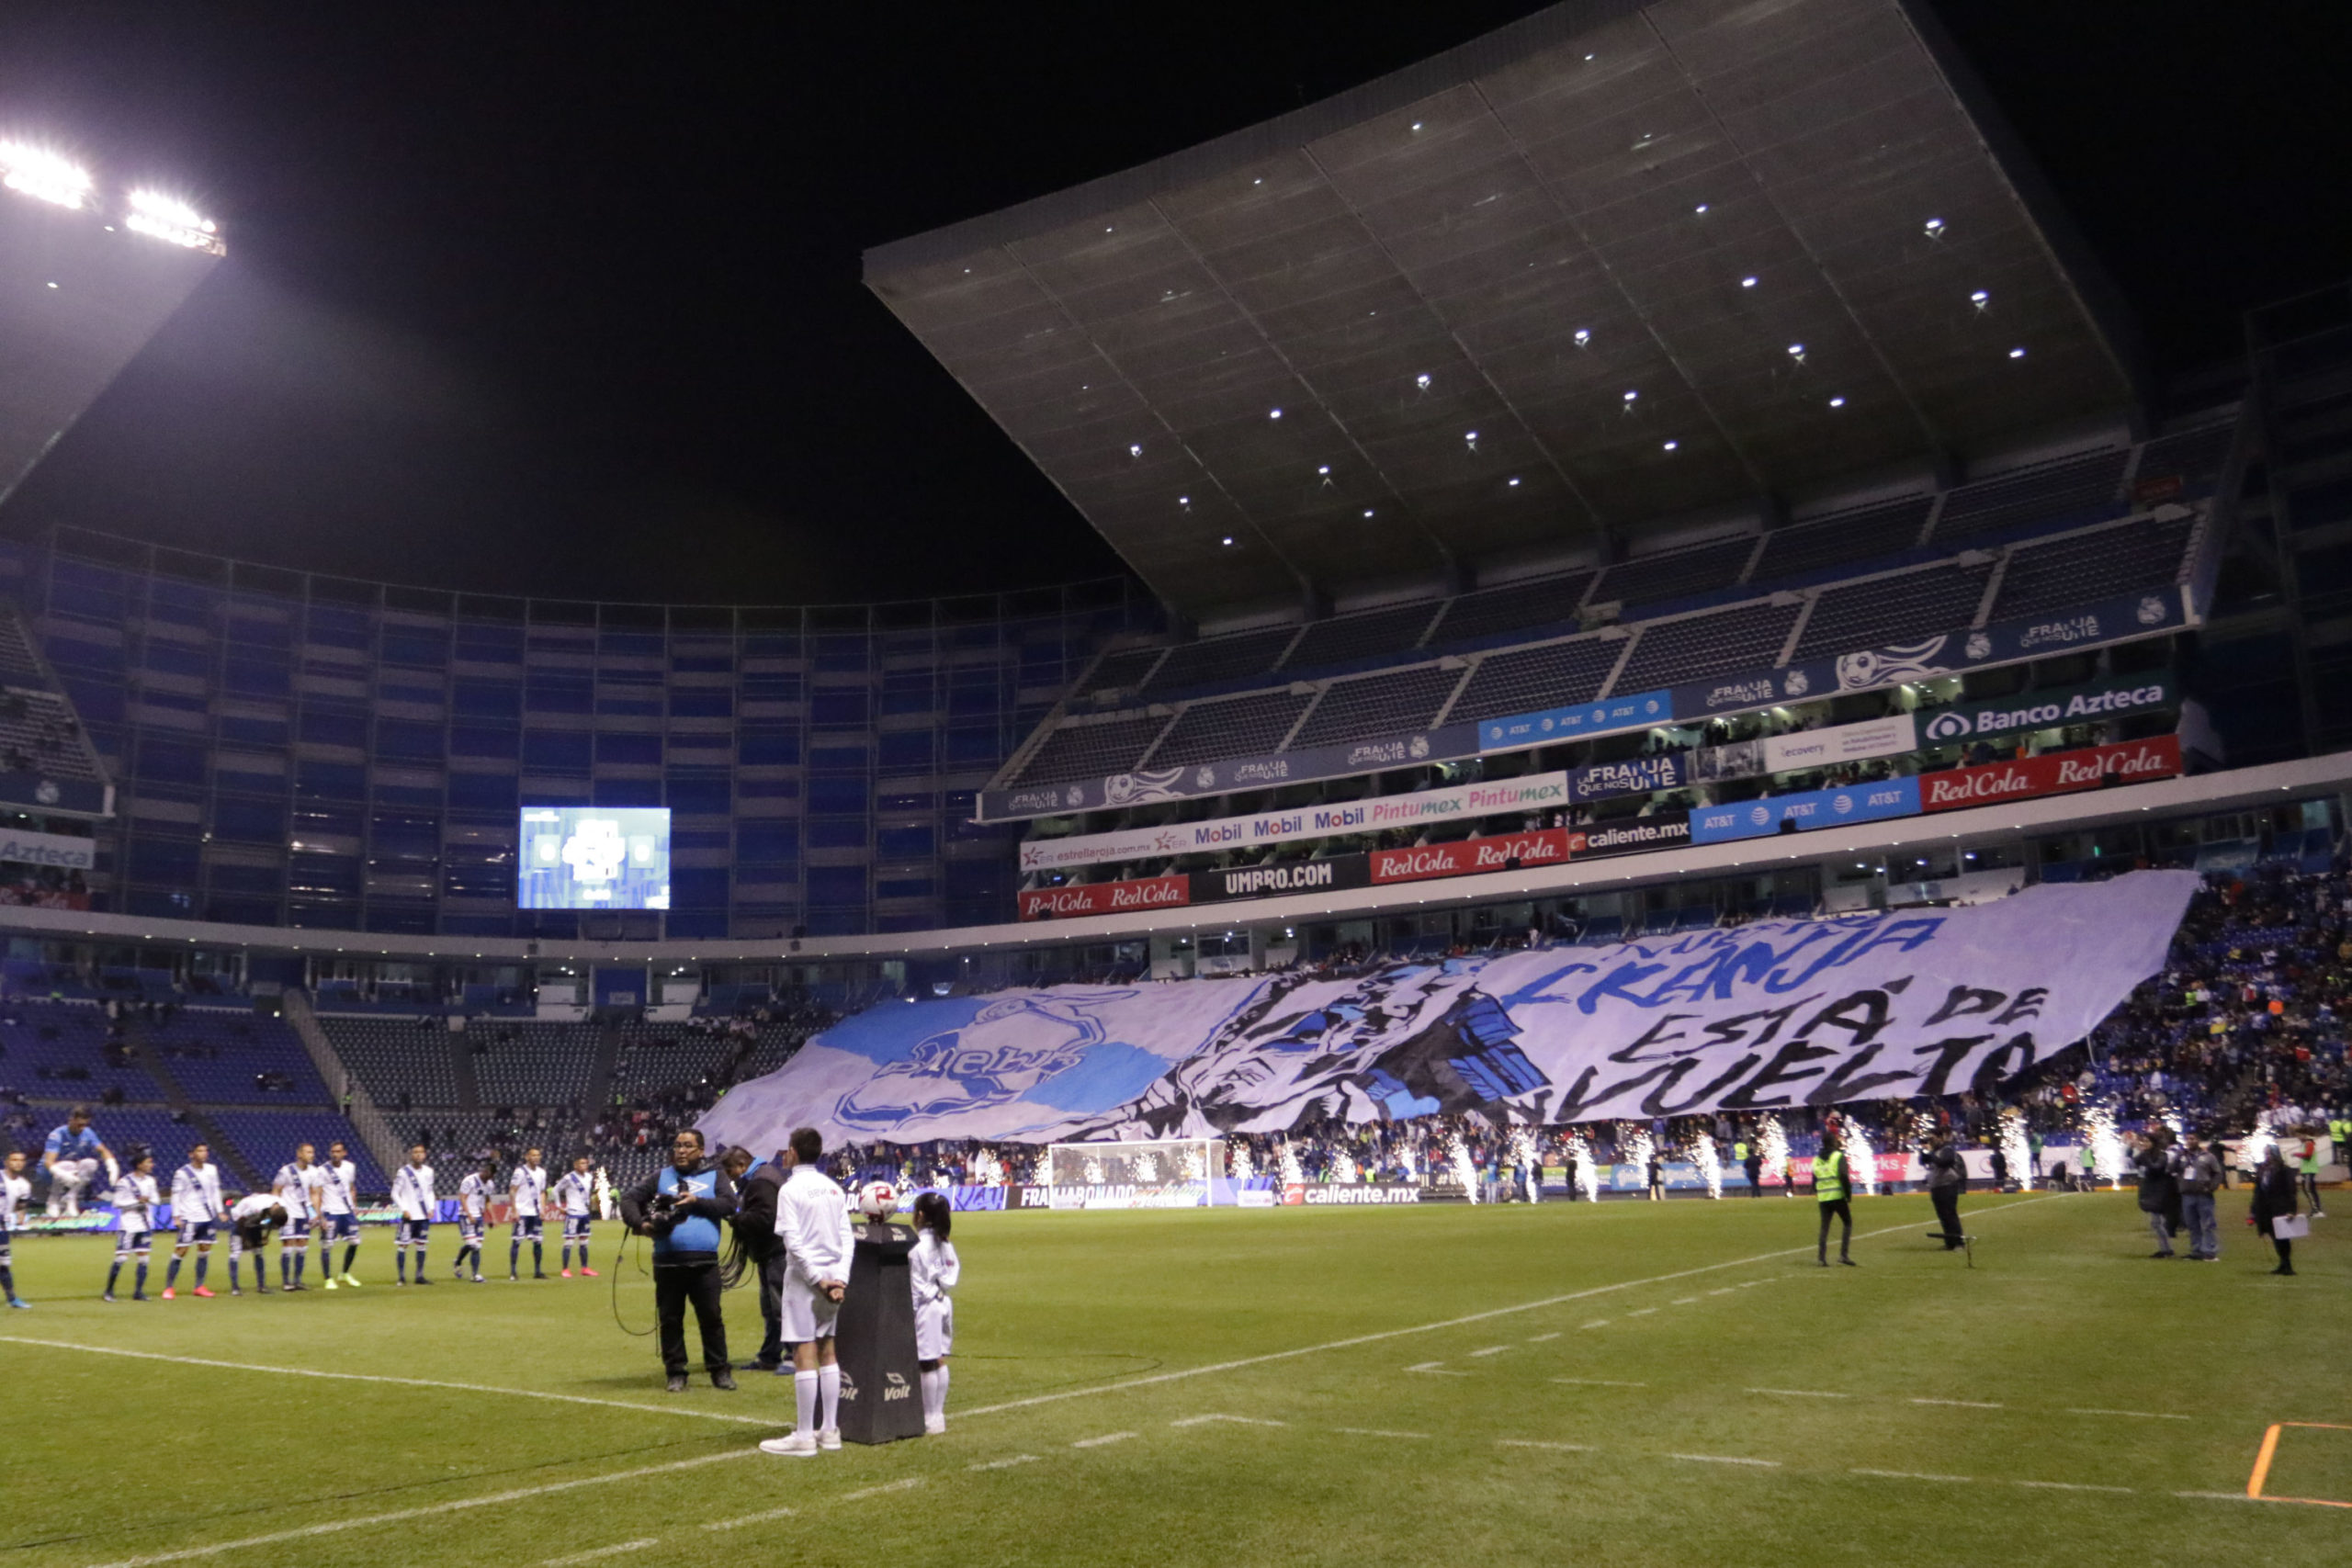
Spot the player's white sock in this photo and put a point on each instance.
(931, 1392)
(804, 1403)
(941, 1408)
(828, 1392)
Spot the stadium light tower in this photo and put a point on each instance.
(44, 175)
(168, 219)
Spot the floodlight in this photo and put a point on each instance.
(1183, 500)
(1273, 413)
(1980, 299)
(2017, 353)
(1367, 512)
(1796, 351)
(42, 175)
(1748, 282)
(166, 217)
(1417, 125)
(1227, 540)
(1422, 380)
(1323, 468)
(1135, 448)
(1584, 336)
(1700, 209)
(1935, 227)
(1631, 396)
(1514, 483)
(1672, 444)
(1836, 402)
(1471, 436)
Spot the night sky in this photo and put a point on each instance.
(564, 299)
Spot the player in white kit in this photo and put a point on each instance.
(252, 1218)
(413, 1195)
(473, 1215)
(932, 1269)
(15, 1214)
(338, 1212)
(575, 1191)
(526, 1189)
(812, 1216)
(295, 1188)
(197, 1209)
(136, 1199)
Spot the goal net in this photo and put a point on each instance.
(1158, 1173)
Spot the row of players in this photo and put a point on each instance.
(308, 1200)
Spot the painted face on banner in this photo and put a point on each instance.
(1009, 1048)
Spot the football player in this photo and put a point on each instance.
(16, 1205)
(136, 1199)
(473, 1215)
(413, 1193)
(251, 1219)
(526, 1189)
(197, 1209)
(338, 1211)
(576, 1190)
(296, 1188)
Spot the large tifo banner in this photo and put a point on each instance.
(1760, 1017)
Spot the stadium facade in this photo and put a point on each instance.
(1575, 486)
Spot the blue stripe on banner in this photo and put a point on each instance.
(1806, 811)
(1637, 710)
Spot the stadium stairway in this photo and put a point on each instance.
(599, 1093)
(366, 1118)
(461, 1062)
(142, 1051)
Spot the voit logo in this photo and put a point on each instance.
(894, 1387)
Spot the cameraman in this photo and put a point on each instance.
(680, 1208)
(759, 1247)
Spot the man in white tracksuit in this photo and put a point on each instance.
(812, 1218)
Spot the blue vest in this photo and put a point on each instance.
(695, 1233)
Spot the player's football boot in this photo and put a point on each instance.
(349, 1282)
(168, 1291)
(567, 1273)
(799, 1445)
(829, 1438)
(203, 1290)
(591, 1273)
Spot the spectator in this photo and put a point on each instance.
(2201, 1174)
(2274, 1200)
(2157, 1195)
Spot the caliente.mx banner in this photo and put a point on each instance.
(1769, 1015)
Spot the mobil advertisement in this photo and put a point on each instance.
(1537, 792)
(1806, 811)
(1466, 857)
(1637, 710)
(2114, 698)
(1106, 898)
(2055, 772)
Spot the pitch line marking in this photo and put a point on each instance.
(1544, 1338)
(1641, 1311)
(1376, 1432)
(1961, 1403)
(1728, 1459)
(336, 1527)
(1800, 1394)
(902, 1485)
(1435, 1369)
(1384, 1335)
(1554, 1447)
(380, 1377)
(1910, 1475)
(1236, 1420)
(2136, 1415)
(759, 1518)
(1726, 1291)
(2070, 1487)
(1104, 1440)
(1005, 1463)
(1596, 1323)
(1685, 1302)
(2222, 1496)
(1600, 1382)
(1491, 1351)
(613, 1550)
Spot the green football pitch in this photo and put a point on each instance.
(1631, 1383)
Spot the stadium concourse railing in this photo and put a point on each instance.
(2204, 794)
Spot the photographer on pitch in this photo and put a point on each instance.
(758, 1249)
(681, 1207)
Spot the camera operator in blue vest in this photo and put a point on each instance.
(681, 1207)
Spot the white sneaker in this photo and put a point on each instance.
(932, 1425)
(799, 1445)
(829, 1438)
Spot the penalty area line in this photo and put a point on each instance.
(1463, 1321)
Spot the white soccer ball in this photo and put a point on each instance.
(878, 1200)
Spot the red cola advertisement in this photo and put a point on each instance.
(1105, 897)
(2057, 774)
(1467, 857)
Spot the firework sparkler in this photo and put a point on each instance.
(1710, 1164)
(1582, 1167)
(1772, 1146)
(2107, 1144)
(1457, 1156)
(2017, 1148)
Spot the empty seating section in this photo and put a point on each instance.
(1905, 608)
(2195, 457)
(528, 1062)
(1229, 727)
(1343, 637)
(234, 1058)
(18, 665)
(1842, 539)
(1220, 658)
(392, 1057)
(1092, 750)
(268, 1139)
(1554, 675)
(58, 1051)
(1123, 670)
(656, 1056)
(1747, 637)
(2078, 487)
(1546, 602)
(1675, 574)
(39, 734)
(1378, 705)
(456, 1138)
(2090, 567)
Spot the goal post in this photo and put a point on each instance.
(1147, 1173)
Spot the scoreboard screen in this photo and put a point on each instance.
(593, 857)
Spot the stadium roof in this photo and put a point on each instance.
(78, 298)
(1656, 258)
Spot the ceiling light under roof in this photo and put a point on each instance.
(2017, 353)
(1135, 448)
(1672, 444)
(1227, 540)
(1324, 469)
(1367, 512)
(1836, 402)
(1980, 299)
(1935, 227)
(1183, 500)
(1700, 209)
(1514, 481)
(1422, 380)
(1584, 336)
(1417, 125)
(1796, 351)
(1273, 413)
(1747, 282)
(1631, 396)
